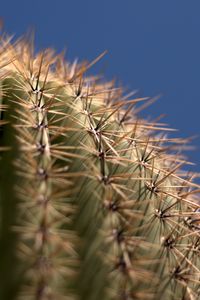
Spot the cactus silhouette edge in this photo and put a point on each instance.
(94, 201)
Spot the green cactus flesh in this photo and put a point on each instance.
(94, 202)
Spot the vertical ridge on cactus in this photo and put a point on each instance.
(99, 205)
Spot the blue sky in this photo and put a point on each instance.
(153, 46)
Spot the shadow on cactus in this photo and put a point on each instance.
(94, 203)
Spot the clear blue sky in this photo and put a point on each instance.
(153, 46)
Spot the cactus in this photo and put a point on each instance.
(94, 203)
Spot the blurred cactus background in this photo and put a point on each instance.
(97, 199)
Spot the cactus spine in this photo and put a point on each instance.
(94, 203)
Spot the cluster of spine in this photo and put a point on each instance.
(102, 207)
